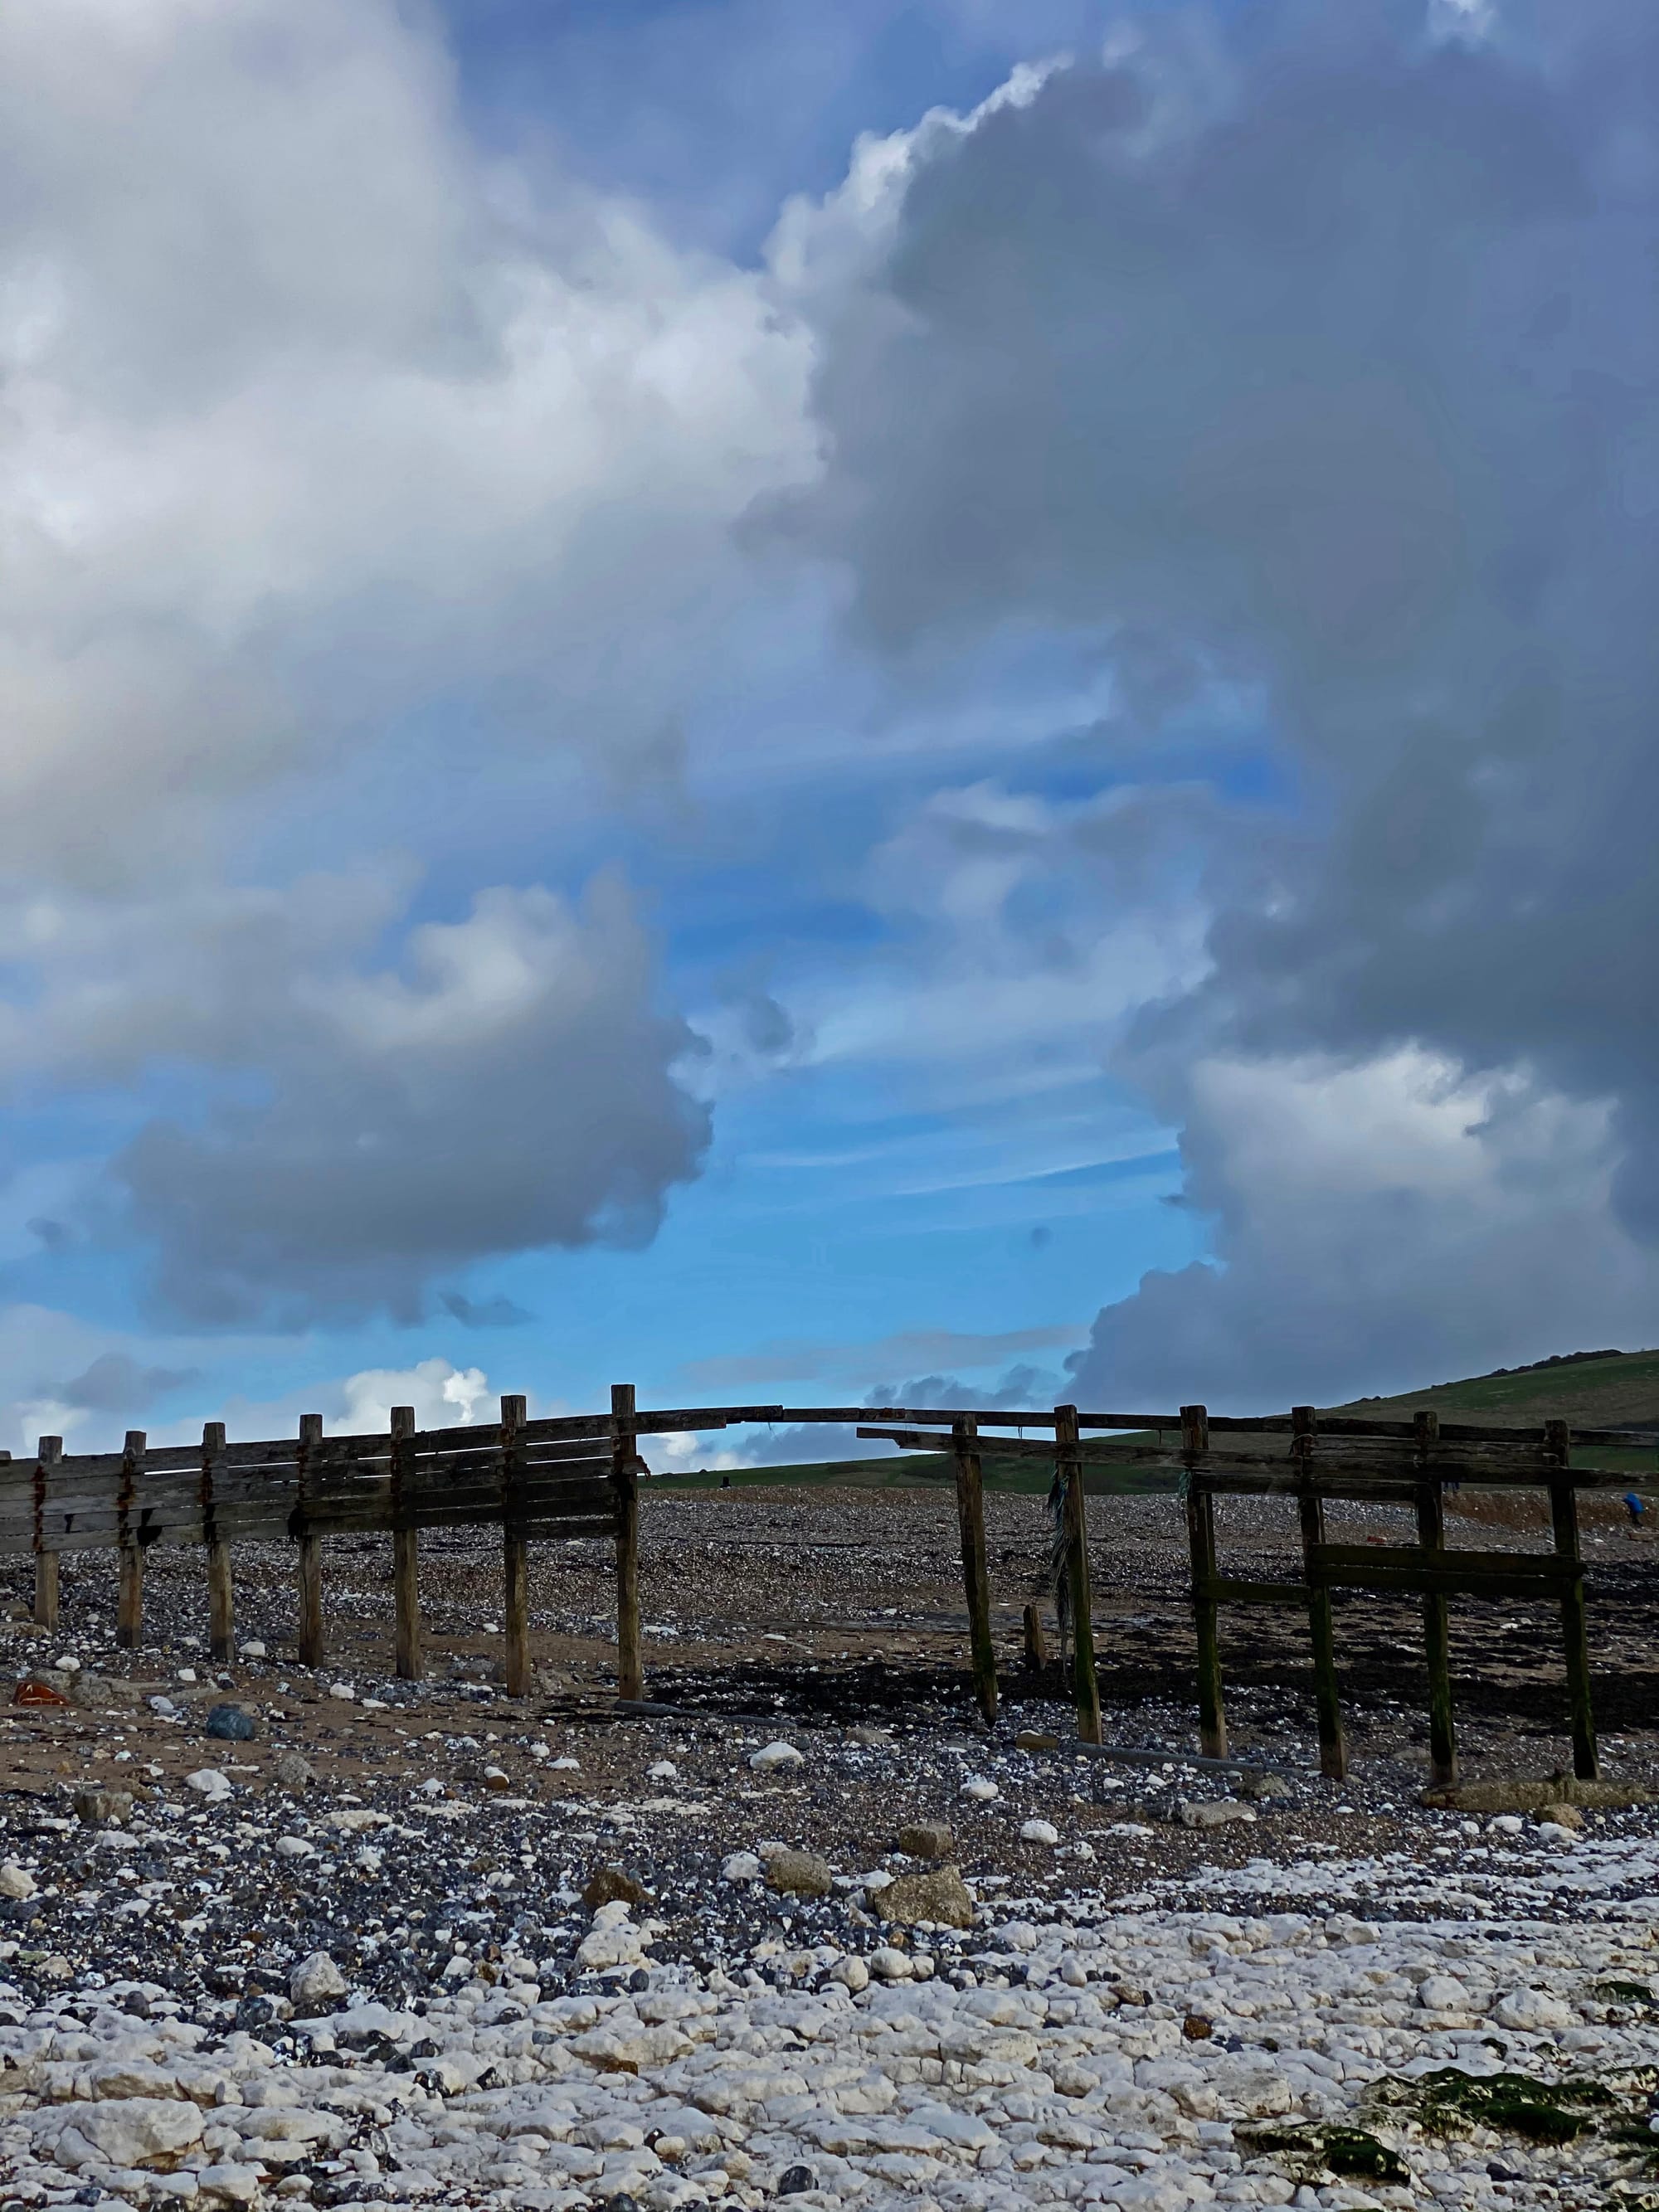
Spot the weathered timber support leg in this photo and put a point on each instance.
(406, 1551)
(48, 1452)
(1575, 1637)
(1084, 1688)
(222, 1605)
(130, 1595)
(1437, 1618)
(46, 1590)
(129, 1599)
(1327, 1701)
(222, 1610)
(309, 1566)
(515, 1551)
(625, 1482)
(970, 1515)
(1037, 1642)
(1206, 1625)
(308, 1572)
(515, 1569)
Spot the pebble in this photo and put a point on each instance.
(1212, 1812)
(775, 1755)
(1039, 1832)
(209, 1781)
(231, 1724)
(939, 1898)
(798, 1874)
(314, 1983)
(981, 1787)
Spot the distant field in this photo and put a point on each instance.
(1620, 1390)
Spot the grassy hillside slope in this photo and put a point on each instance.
(1605, 1390)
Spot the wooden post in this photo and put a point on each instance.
(970, 1514)
(624, 1477)
(221, 1610)
(1069, 1466)
(310, 1639)
(48, 1452)
(1201, 1538)
(129, 1599)
(1036, 1642)
(515, 1550)
(1575, 1640)
(1436, 1618)
(405, 1547)
(1321, 1627)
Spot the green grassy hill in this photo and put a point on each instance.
(1599, 1389)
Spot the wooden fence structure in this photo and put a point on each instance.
(573, 1475)
(1316, 1458)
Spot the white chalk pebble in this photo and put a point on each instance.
(889, 1964)
(185, 1675)
(342, 1690)
(293, 1847)
(1507, 1824)
(772, 1756)
(981, 1787)
(741, 1866)
(68, 1664)
(663, 1771)
(1039, 1832)
(567, 1762)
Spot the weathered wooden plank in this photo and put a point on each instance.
(977, 1587)
(1229, 1589)
(625, 1483)
(1564, 1520)
(515, 1552)
(308, 1567)
(222, 1623)
(1383, 1582)
(1200, 1539)
(1436, 1620)
(1544, 1567)
(410, 1660)
(1068, 1472)
(1321, 1626)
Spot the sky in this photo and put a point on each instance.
(821, 705)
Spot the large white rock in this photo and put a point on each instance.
(208, 1782)
(140, 2131)
(16, 1882)
(315, 1980)
(1531, 2011)
(1039, 1832)
(1214, 1813)
(1440, 1993)
(612, 1941)
(773, 1755)
(227, 2185)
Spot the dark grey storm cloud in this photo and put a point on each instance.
(1313, 352)
(497, 1312)
(116, 1383)
(511, 1085)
